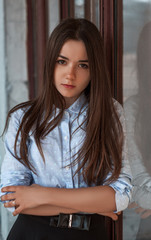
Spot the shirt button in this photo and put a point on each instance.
(65, 138)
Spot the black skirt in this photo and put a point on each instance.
(28, 227)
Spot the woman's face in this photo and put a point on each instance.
(72, 74)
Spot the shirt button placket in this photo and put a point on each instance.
(66, 150)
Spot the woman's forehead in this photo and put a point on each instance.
(74, 49)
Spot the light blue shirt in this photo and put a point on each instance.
(59, 147)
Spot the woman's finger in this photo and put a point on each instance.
(132, 205)
(8, 196)
(17, 211)
(146, 214)
(114, 216)
(111, 215)
(139, 210)
(9, 189)
(10, 204)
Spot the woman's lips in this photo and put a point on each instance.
(68, 86)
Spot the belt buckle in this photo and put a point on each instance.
(70, 221)
(76, 221)
(65, 220)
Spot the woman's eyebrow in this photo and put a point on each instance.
(61, 56)
(83, 60)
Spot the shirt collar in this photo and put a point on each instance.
(80, 104)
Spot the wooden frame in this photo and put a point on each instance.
(36, 43)
(90, 13)
(111, 28)
(119, 47)
(66, 8)
(30, 49)
(41, 36)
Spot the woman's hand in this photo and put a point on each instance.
(99, 199)
(145, 213)
(112, 215)
(23, 197)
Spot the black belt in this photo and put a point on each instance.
(78, 221)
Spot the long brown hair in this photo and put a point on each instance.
(101, 152)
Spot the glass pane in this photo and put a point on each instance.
(95, 14)
(92, 13)
(137, 105)
(53, 14)
(79, 8)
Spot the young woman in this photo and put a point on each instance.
(65, 164)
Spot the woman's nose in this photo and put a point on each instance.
(71, 73)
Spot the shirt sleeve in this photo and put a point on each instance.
(123, 185)
(13, 172)
(141, 178)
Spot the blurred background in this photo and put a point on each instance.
(126, 29)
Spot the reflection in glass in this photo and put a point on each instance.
(137, 105)
(97, 13)
(79, 8)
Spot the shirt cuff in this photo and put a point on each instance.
(122, 196)
(122, 201)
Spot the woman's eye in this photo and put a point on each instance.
(61, 62)
(82, 65)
